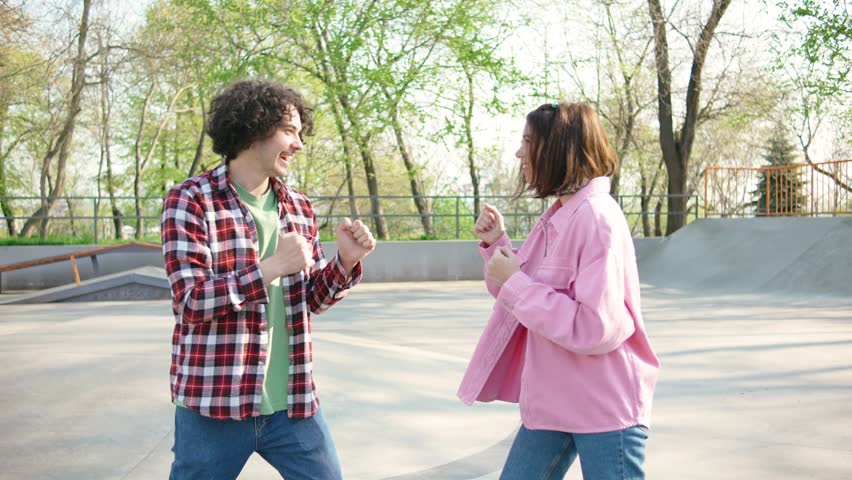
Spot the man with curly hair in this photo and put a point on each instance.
(246, 268)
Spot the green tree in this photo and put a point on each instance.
(52, 181)
(623, 88)
(826, 40)
(17, 83)
(816, 74)
(107, 65)
(780, 189)
(474, 73)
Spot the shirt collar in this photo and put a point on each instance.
(222, 181)
(560, 215)
(221, 177)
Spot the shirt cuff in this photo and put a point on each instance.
(487, 251)
(341, 274)
(249, 287)
(513, 288)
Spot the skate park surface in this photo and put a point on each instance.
(751, 319)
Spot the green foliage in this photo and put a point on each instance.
(826, 40)
(385, 77)
(780, 190)
(85, 239)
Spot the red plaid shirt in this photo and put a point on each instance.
(220, 340)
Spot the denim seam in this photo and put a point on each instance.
(621, 455)
(568, 439)
(256, 435)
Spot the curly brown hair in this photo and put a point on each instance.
(568, 147)
(251, 110)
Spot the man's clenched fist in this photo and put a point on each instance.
(354, 242)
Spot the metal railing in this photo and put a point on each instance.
(91, 253)
(450, 216)
(83, 217)
(814, 190)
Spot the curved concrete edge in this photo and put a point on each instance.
(787, 255)
(824, 268)
(146, 283)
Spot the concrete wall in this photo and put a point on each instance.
(60, 273)
(415, 261)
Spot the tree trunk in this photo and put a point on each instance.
(142, 161)
(648, 190)
(626, 139)
(677, 148)
(658, 229)
(378, 213)
(338, 100)
(62, 147)
(347, 156)
(471, 152)
(117, 216)
(138, 160)
(644, 203)
(44, 220)
(616, 179)
(137, 197)
(5, 206)
(381, 226)
(832, 175)
(71, 216)
(350, 187)
(676, 203)
(420, 201)
(202, 135)
(106, 142)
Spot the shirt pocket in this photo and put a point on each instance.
(287, 224)
(231, 246)
(557, 273)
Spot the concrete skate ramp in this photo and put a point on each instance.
(784, 255)
(145, 283)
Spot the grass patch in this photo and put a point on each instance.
(69, 240)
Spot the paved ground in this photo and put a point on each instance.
(752, 320)
(752, 387)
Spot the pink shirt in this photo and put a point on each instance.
(566, 338)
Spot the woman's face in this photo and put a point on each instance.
(526, 168)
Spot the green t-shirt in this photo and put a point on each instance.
(264, 211)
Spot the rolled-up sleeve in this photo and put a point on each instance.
(329, 282)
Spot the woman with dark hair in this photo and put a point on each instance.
(566, 339)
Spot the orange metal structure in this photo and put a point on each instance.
(73, 257)
(813, 189)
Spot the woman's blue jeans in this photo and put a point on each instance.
(545, 454)
(218, 449)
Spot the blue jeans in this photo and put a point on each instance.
(545, 454)
(207, 448)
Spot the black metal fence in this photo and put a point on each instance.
(89, 219)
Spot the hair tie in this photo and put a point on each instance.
(554, 105)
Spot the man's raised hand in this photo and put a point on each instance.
(354, 242)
